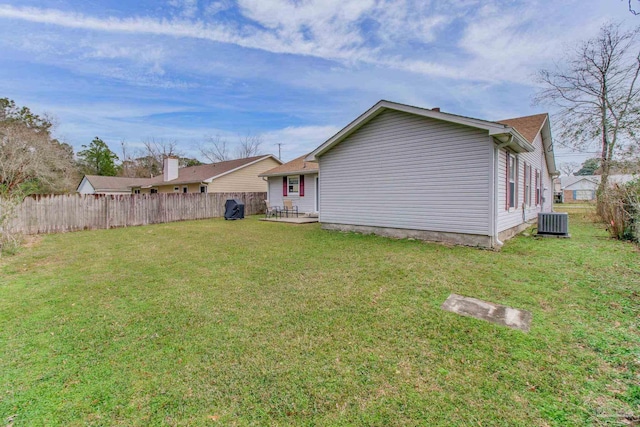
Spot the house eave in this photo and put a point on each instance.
(547, 145)
(296, 172)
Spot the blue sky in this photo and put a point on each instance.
(292, 71)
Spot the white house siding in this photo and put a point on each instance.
(403, 171)
(306, 203)
(85, 187)
(512, 218)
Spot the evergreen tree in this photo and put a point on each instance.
(98, 159)
(589, 167)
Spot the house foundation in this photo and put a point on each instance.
(474, 240)
(510, 232)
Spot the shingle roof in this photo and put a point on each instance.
(196, 174)
(114, 183)
(294, 166)
(568, 181)
(528, 126)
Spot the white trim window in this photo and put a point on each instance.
(293, 185)
(185, 189)
(176, 189)
(204, 188)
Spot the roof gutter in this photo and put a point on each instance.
(509, 137)
(547, 146)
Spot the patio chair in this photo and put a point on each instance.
(271, 211)
(289, 208)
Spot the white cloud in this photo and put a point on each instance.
(216, 7)
(499, 40)
(328, 30)
(138, 25)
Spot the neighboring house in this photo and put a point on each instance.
(557, 190)
(583, 188)
(232, 176)
(95, 184)
(579, 188)
(404, 171)
(296, 180)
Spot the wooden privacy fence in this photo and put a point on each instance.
(62, 213)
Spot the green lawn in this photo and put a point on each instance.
(249, 323)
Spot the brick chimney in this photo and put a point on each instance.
(436, 109)
(170, 168)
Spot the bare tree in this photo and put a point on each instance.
(569, 168)
(128, 166)
(218, 149)
(155, 152)
(631, 9)
(249, 146)
(31, 161)
(597, 93)
(215, 149)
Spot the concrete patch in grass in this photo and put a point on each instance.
(495, 313)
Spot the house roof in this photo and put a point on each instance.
(568, 181)
(207, 173)
(295, 166)
(517, 134)
(113, 183)
(528, 126)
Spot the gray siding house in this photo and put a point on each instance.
(404, 171)
(297, 181)
(583, 188)
(114, 185)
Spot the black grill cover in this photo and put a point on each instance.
(233, 209)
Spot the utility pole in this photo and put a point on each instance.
(279, 144)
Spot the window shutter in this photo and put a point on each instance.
(516, 187)
(301, 185)
(536, 190)
(526, 186)
(530, 181)
(284, 185)
(506, 205)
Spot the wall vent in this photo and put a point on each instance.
(553, 224)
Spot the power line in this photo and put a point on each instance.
(588, 153)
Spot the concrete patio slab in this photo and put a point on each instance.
(483, 310)
(292, 220)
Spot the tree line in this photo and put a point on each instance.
(32, 161)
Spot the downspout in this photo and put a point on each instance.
(496, 163)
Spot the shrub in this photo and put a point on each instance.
(619, 208)
(9, 240)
